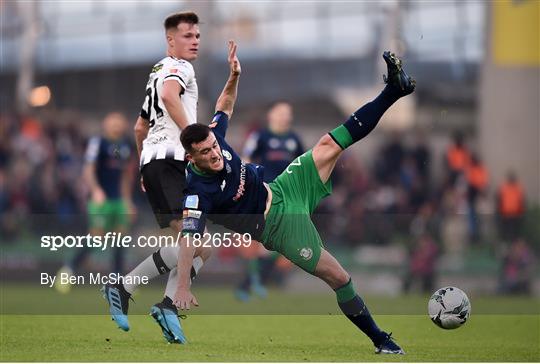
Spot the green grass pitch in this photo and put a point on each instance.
(500, 329)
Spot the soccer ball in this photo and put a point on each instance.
(449, 308)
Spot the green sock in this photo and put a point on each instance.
(345, 293)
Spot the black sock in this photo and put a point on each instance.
(356, 310)
(364, 120)
(160, 263)
(167, 302)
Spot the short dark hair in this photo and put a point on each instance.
(193, 134)
(172, 21)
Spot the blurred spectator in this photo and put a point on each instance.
(108, 172)
(421, 188)
(477, 182)
(413, 183)
(518, 269)
(510, 207)
(274, 147)
(42, 155)
(350, 186)
(422, 260)
(426, 221)
(6, 123)
(391, 157)
(422, 156)
(454, 225)
(41, 164)
(457, 158)
(382, 208)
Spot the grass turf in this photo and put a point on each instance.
(266, 337)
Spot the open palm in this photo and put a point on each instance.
(234, 63)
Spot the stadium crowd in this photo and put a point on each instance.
(394, 198)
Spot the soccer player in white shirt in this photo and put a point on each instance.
(170, 105)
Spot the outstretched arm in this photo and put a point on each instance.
(227, 98)
(183, 297)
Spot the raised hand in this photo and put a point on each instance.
(234, 63)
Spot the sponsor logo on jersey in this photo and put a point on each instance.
(196, 214)
(227, 154)
(223, 185)
(190, 224)
(157, 67)
(306, 253)
(242, 185)
(157, 140)
(192, 202)
(290, 144)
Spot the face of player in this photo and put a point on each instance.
(206, 155)
(280, 118)
(183, 42)
(114, 126)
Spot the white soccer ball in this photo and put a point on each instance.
(449, 308)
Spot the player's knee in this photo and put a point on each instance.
(340, 277)
(334, 276)
(326, 141)
(326, 149)
(176, 225)
(203, 252)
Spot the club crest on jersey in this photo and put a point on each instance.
(192, 202)
(227, 154)
(190, 224)
(274, 143)
(306, 253)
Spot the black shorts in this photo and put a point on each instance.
(164, 181)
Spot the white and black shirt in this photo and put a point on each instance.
(163, 140)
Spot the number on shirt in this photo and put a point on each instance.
(151, 101)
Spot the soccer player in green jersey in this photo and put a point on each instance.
(222, 188)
